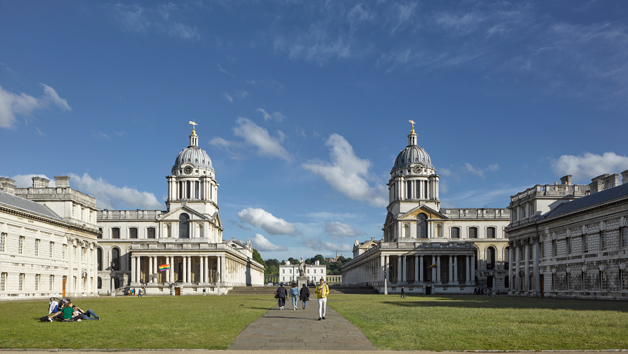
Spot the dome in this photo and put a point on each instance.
(194, 156)
(411, 155)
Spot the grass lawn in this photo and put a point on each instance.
(203, 322)
(480, 322)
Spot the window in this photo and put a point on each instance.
(150, 233)
(99, 258)
(623, 275)
(3, 240)
(602, 240)
(554, 248)
(568, 242)
(37, 242)
(623, 234)
(196, 190)
(115, 232)
(455, 232)
(187, 189)
(283, 271)
(603, 281)
(20, 249)
(409, 190)
(490, 232)
(52, 283)
(422, 226)
(99, 232)
(115, 258)
(99, 283)
(490, 258)
(585, 243)
(37, 280)
(3, 282)
(21, 283)
(184, 226)
(51, 251)
(64, 251)
(473, 232)
(133, 232)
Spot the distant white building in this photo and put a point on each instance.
(48, 241)
(289, 273)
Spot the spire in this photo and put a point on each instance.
(193, 136)
(412, 136)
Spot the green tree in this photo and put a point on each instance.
(293, 260)
(257, 258)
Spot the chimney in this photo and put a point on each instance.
(597, 183)
(566, 180)
(40, 182)
(62, 181)
(8, 185)
(624, 177)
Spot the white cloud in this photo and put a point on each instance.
(479, 171)
(317, 244)
(258, 137)
(136, 18)
(109, 196)
(224, 71)
(347, 173)
(103, 136)
(337, 230)
(227, 97)
(241, 93)
(25, 181)
(267, 221)
(12, 104)
(278, 116)
(183, 31)
(589, 165)
(261, 243)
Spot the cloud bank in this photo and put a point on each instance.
(12, 105)
(589, 165)
(267, 221)
(109, 196)
(261, 243)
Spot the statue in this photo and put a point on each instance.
(302, 268)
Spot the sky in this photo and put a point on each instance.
(304, 105)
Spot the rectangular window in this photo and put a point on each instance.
(133, 232)
(623, 233)
(409, 190)
(602, 240)
(52, 283)
(20, 249)
(52, 247)
(37, 242)
(542, 249)
(196, 190)
(473, 232)
(585, 243)
(3, 240)
(21, 283)
(623, 279)
(603, 282)
(490, 232)
(115, 232)
(187, 189)
(3, 282)
(64, 251)
(455, 232)
(554, 248)
(568, 242)
(150, 233)
(37, 280)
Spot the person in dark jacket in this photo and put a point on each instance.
(304, 295)
(280, 294)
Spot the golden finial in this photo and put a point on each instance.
(194, 124)
(412, 122)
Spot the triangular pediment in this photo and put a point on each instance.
(173, 215)
(414, 213)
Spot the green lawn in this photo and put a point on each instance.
(481, 322)
(207, 322)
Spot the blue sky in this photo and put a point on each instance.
(303, 106)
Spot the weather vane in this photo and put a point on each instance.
(194, 124)
(411, 122)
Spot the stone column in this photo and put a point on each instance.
(456, 270)
(398, 270)
(133, 272)
(171, 270)
(473, 270)
(438, 280)
(537, 281)
(433, 269)
(387, 269)
(516, 269)
(189, 276)
(202, 269)
(222, 269)
(149, 275)
(421, 269)
(510, 265)
(185, 268)
(450, 269)
(138, 267)
(405, 267)
(467, 270)
(382, 262)
(416, 269)
(206, 279)
(526, 269)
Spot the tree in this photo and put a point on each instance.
(272, 267)
(257, 258)
(293, 260)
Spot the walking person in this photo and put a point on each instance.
(403, 292)
(294, 295)
(280, 295)
(305, 295)
(322, 291)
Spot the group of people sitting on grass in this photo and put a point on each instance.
(64, 311)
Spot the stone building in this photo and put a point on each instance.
(48, 240)
(570, 240)
(288, 273)
(187, 238)
(426, 248)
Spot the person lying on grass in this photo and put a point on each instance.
(73, 313)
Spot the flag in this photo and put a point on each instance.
(164, 267)
(432, 266)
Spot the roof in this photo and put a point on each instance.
(590, 200)
(27, 205)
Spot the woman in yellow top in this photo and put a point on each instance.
(322, 291)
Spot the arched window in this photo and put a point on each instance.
(422, 226)
(99, 283)
(490, 232)
(455, 232)
(115, 258)
(99, 258)
(490, 258)
(184, 226)
(473, 232)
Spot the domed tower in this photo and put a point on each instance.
(192, 181)
(413, 180)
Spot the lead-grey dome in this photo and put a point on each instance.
(195, 156)
(411, 155)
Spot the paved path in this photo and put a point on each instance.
(300, 330)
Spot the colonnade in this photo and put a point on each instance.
(203, 189)
(419, 274)
(204, 275)
(519, 270)
(414, 188)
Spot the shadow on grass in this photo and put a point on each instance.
(512, 303)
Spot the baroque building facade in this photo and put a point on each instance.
(136, 246)
(426, 248)
(570, 241)
(48, 240)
